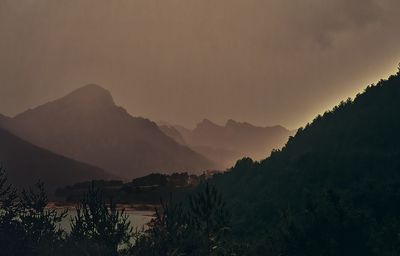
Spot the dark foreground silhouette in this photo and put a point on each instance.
(334, 189)
(198, 226)
(143, 192)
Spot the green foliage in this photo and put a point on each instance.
(27, 227)
(326, 228)
(168, 232)
(9, 224)
(100, 224)
(40, 224)
(199, 226)
(354, 151)
(210, 218)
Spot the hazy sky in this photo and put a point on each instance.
(262, 61)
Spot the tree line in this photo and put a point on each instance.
(199, 225)
(333, 189)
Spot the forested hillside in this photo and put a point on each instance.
(334, 189)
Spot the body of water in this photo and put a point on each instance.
(138, 219)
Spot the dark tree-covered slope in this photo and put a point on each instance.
(352, 152)
(26, 164)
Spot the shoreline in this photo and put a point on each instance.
(126, 207)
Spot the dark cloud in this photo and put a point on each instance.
(333, 17)
(263, 61)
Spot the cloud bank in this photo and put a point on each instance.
(262, 61)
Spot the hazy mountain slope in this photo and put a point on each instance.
(225, 144)
(26, 164)
(3, 119)
(353, 150)
(173, 133)
(183, 131)
(86, 125)
(256, 141)
(225, 157)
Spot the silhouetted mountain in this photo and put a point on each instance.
(185, 132)
(236, 135)
(86, 125)
(226, 144)
(225, 157)
(26, 164)
(333, 188)
(3, 118)
(173, 133)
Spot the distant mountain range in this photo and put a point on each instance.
(226, 144)
(87, 126)
(26, 164)
(173, 133)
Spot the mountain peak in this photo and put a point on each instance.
(231, 122)
(91, 94)
(206, 123)
(235, 125)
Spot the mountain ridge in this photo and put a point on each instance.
(86, 125)
(229, 142)
(26, 164)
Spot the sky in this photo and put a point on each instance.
(266, 62)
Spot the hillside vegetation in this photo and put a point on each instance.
(334, 189)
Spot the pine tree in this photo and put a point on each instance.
(100, 224)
